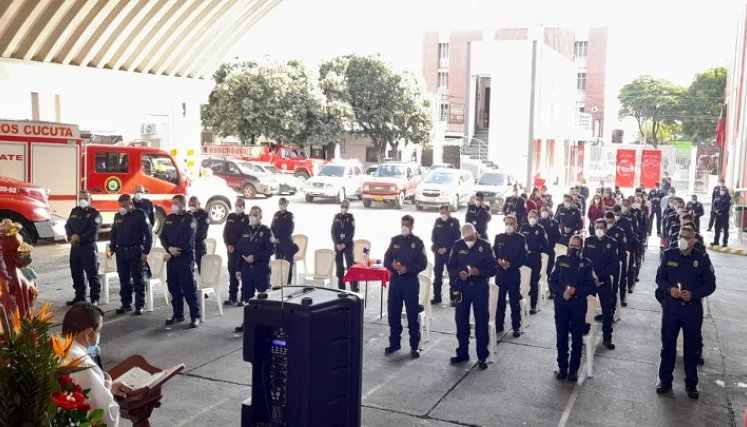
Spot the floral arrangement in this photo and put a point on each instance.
(36, 388)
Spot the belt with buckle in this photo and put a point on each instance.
(129, 248)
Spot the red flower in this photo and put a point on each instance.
(65, 380)
(64, 401)
(77, 388)
(84, 407)
(78, 397)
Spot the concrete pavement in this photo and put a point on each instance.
(519, 389)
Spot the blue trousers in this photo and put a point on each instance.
(689, 318)
(129, 267)
(403, 291)
(570, 318)
(83, 259)
(608, 300)
(509, 282)
(475, 295)
(200, 251)
(438, 273)
(253, 280)
(550, 262)
(345, 255)
(722, 226)
(623, 280)
(233, 282)
(534, 261)
(180, 276)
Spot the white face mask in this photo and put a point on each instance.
(239, 210)
(469, 243)
(253, 220)
(567, 205)
(545, 215)
(636, 205)
(682, 244)
(343, 211)
(405, 231)
(599, 232)
(610, 225)
(510, 229)
(283, 208)
(191, 209)
(175, 208)
(122, 211)
(679, 211)
(623, 209)
(83, 203)
(722, 193)
(532, 221)
(138, 196)
(444, 217)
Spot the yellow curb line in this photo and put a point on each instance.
(728, 250)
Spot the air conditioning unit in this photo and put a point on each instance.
(594, 109)
(148, 129)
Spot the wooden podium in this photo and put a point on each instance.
(139, 404)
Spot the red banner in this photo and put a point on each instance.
(625, 176)
(650, 168)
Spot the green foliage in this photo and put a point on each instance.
(703, 103)
(651, 100)
(388, 107)
(668, 131)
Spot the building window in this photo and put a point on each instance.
(581, 81)
(443, 55)
(444, 113)
(581, 49)
(443, 80)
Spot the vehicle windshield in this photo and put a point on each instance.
(437, 177)
(492, 179)
(390, 170)
(247, 167)
(271, 169)
(332, 171)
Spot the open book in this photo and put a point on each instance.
(139, 378)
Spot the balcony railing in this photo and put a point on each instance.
(443, 63)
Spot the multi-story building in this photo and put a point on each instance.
(487, 98)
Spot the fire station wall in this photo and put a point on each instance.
(106, 101)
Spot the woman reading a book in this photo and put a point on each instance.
(84, 322)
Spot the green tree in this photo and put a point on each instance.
(702, 104)
(277, 101)
(387, 106)
(651, 100)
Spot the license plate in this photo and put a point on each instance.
(378, 198)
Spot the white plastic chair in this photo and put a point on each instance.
(107, 269)
(209, 282)
(526, 278)
(544, 287)
(302, 241)
(210, 245)
(279, 271)
(590, 339)
(358, 246)
(424, 317)
(492, 333)
(429, 270)
(560, 250)
(158, 276)
(324, 267)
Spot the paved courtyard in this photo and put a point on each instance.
(519, 389)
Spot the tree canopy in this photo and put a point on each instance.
(702, 104)
(649, 100)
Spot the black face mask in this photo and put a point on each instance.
(573, 252)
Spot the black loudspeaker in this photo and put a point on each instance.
(306, 350)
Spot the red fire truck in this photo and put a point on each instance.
(55, 157)
(28, 205)
(291, 160)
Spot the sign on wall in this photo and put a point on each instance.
(625, 176)
(650, 167)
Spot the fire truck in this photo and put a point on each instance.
(28, 205)
(55, 157)
(292, 160)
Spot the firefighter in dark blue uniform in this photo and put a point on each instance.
(236, 222)
(478, 214)
(571, 281)
(685, 276)
(514, 205)
(282, 227)
(343, 231)
(253, 256)
(510, 252)
(445, 232)
(621, 239)
(655, 196)
(631, 246)
(145, 205)
(714, 194)
(405, 259)
(552, 229)
(601, 249)
(635, 250)
(82, 229)
(203, 222)
(131, 240)
(721, 211)
(568, 214)
(471, 265)
(696, 210)
(178, 238)
(536, 240)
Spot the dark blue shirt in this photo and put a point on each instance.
(282, 227)
(695, 209)
(146, 206)
(479, 217)
(85, 223)
(722, 204)
(444, 234)
(655, 196)
(343, 229)
(621, 240)
(235, 224)
(575, 272)
(203, 222)
(179, 231)
(603, 256)
(462, 257)
(693, 271)
(627, 227)
(535, 238)
(515, 205)
(131, 229)
(410, 252)
(552, 229)
(512, 248)
(255, 241)
(569, 217)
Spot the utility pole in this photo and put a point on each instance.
(530, 145)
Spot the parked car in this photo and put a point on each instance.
(338, 180)
(287, 184)
(392, 183)
(496, 185)
(442, 166)
(452, 187)
(371, 169)
(215, 195)
(243, 176)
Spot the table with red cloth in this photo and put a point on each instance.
(363, 273)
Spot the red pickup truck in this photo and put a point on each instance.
(291, 160)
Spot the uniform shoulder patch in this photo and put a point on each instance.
(609, 246)
(672, 264)
(192, 225)
(695, 263)
(480, 249)
(564, 264)
(207, 221)
(413, 245)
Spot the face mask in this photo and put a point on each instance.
(682, 244)
(516, 194)
(510, 229)
(567, 205)
(679, 211)
(599, 232)
(444, 217)
(253, 221)
(405, 231)
(722, 192)
(573, 252)
(83, 203)
(545, 215)
(610, 225)
(283, 208)
(469, 243)
(532, 221)
(636, 205)
(94, 348)
(138, 196)
(191, 209)
(343, 211)
(624, 209)
(239, 210)
(175, 208)
(694, 200)
(122, 211)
